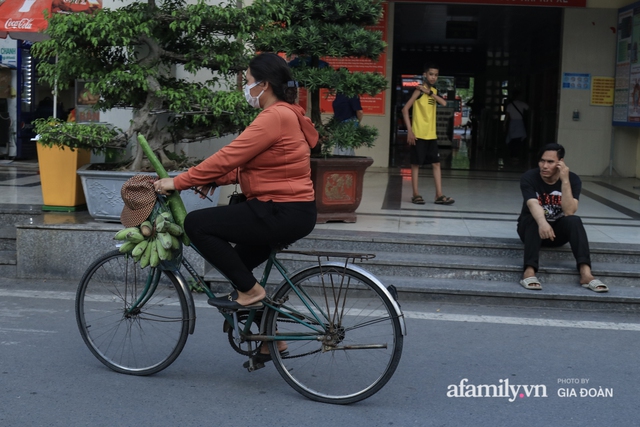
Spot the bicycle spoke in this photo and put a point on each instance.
(131, 324)
(359, 347)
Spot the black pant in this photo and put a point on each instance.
(255, 227)
(567, 229)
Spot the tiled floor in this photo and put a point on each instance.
(487, 203)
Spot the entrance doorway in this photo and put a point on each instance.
(486, 53)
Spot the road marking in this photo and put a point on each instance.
(14, 293)
(581, 324)
(30, 331)
(558, 323)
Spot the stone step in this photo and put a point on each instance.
(491, 292)
(8, 266)
(454, 267)
(482, 270)
(334, 240)
(13, 214)
(7, 238)
(551, 295)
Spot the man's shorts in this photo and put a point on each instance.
(424, 152)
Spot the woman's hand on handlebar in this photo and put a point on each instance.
(164, 186)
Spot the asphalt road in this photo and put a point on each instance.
(462, 365)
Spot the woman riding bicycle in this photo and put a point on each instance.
(270, 161)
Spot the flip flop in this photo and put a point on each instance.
(530, 283)
(444, 200)
(418, 200)
(596, 286)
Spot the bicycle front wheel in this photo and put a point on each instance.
(343, 335)
(131, 324)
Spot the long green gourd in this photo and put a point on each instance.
(174, 200)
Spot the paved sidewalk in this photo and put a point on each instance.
(487, 203)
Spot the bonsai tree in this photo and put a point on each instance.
(128, 56)
(316, 29)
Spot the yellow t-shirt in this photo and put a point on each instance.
(423, 122)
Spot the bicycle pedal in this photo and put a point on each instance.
(248, 365)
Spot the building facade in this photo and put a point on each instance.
(488, 49)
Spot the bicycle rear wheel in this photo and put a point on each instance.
(349, 349)
(141, 341)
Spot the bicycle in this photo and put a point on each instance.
(343, 328)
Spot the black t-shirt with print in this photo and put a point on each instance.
(549, 196)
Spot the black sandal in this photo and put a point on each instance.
(228, 302)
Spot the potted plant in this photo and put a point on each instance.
(310, 32)
(170, 63)
(61, 185)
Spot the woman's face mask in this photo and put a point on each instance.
(254, 101)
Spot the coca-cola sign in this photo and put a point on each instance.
(20, 24)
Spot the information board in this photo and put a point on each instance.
(626, 97)
(602, 90)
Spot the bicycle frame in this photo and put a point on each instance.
(272, 262)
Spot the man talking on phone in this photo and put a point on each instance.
(551, 194)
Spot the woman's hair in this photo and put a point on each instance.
(269, 67)
(552, 147)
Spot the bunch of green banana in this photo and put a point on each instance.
(131, 236)
(151, 243)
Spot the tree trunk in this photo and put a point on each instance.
(146, 124)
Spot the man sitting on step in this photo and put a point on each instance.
(551, 194)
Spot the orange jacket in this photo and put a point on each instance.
(270, 158)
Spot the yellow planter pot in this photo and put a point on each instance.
(61, 186)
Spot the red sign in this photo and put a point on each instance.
(370, 104)
(549, 3)
(21, 18)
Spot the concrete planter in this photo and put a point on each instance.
(337, 182)
(102, 191)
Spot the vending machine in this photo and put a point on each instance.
(25, 137)
(35, 100)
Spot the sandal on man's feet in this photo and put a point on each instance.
(444, 200)
(531, 283)
(596, 286)
(417, 200)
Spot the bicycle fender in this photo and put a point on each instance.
(369, 276)
(184, 286)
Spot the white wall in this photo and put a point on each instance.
(589, 46)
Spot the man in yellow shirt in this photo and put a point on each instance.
(421, 134)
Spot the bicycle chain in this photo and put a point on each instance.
(254, 352)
